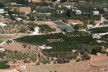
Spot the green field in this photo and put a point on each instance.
(61, 42)
(3, 65)
(99, 30)
(68, 28)
(46, 28)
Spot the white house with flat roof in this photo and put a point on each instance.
(2, 24)
(19, 19)
(2, 11)
(78, 12)
(68, 6)
(36, 31)
(96, 12)
(2, 49)
(58, 0)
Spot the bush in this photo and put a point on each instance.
(99, 30)
(78, 60)
(3, 65)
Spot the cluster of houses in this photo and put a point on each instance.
(98, 35)
(16, 7)
(76, 10)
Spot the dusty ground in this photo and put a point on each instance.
(96, 64)
(80, 22)
(18, 47)
(74, 21)
(35, 0)
(3, 38)
(100, 60)
(71, 67)
(8, 70)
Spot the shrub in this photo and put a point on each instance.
(3, 65)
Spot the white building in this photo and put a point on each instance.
(59, 6)
(96, 12)
(36, 31)
(97, 36)
(68, 6)
(2, 11)
(2, 24)
(73, 24)
(89, 26)
(45, 47)
(78, 12)
(101, 41)
(18, 19)
(61, 11)
(2, 49)
(58, 0)
(23, 67)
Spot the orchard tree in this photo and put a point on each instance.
(1, 5)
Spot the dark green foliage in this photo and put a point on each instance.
(2, 54)
(76, 27)
(85, 56)
(63, 1)
(1, 5)
(80, 41)
(96, 1)
(70, 41)
(3, 65)
(96, 49)
(68, 12)
(105, 36)
(46, 28)
(21, 1)
(106, 15)
(99, 30)
(43, 28)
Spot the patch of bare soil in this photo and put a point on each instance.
(74, 21)
(96, 21)
(100, 60)
(18, 47)
(4, 38)
(97, 63)
(8, 70)
(77, 67)
(36, 0)
(69, 67)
